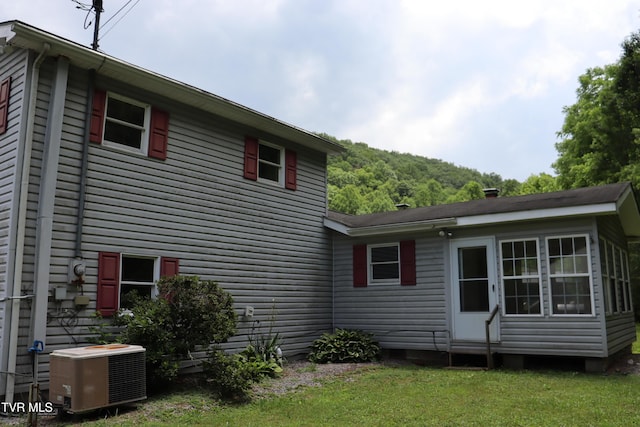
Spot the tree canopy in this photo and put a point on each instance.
(600, 136)
(365, 180)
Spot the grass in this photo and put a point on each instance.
(408, 395)
(411, 395)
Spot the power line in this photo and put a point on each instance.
(116, 14)
(119, 19)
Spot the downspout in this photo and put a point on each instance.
(85, 163)
(46, 201)
(21, 226)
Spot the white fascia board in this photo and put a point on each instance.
(532, 215)
(381, 230)
(336, 226)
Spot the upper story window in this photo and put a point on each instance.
(126, 124)
(521, 277)
(130, 125)
(570, 275)
(268, 162)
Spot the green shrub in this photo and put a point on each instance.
(189, 313)
(147, 324)
(345, 346)
(228, 376)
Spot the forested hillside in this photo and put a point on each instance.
(366, 180)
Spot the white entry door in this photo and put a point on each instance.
(473, 277)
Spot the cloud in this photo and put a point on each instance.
(453, 80)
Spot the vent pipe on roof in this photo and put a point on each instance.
(491, 193)
(402, 206)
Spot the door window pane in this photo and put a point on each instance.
(473, 280)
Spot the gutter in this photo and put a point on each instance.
(21, 230)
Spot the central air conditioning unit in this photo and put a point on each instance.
(87, 378)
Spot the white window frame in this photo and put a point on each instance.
(626, 281)
(588, 275)
(144, 134)
(537, 276)
(156, 275)
(281, 166)
(370, 264)
(611, 306)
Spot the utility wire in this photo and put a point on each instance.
(119, 19)
(115, 14)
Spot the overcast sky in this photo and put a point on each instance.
(480, 84)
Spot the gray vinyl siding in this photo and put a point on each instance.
(264, 244)
(620, 327)
(402, 317)
(12, 65)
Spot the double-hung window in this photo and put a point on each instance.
(126, 124)
(521, 277)
(570, 275)
(138, 276)
(122, 275)
(270, 161)
(614, 263)
(384, 263)
(129, 125)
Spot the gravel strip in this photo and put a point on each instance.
(299, 374)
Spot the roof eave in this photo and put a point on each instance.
(27, 37)
(386, 229)
(629, 213)
(539, 214)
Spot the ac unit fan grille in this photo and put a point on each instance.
(127, 378)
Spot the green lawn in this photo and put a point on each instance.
(407, 395)
(411, 395)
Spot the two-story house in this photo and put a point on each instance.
(112, 176)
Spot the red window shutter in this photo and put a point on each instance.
(108, 283)
(97, 116)
(169, 266)
(159, 134)
(291, 165)
(408, 262)
(5, 87)
(359, 266)
(251, 147)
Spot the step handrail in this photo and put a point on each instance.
(487, 324)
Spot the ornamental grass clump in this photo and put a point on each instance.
(345, 346)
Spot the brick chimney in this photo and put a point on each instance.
(491, 193)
